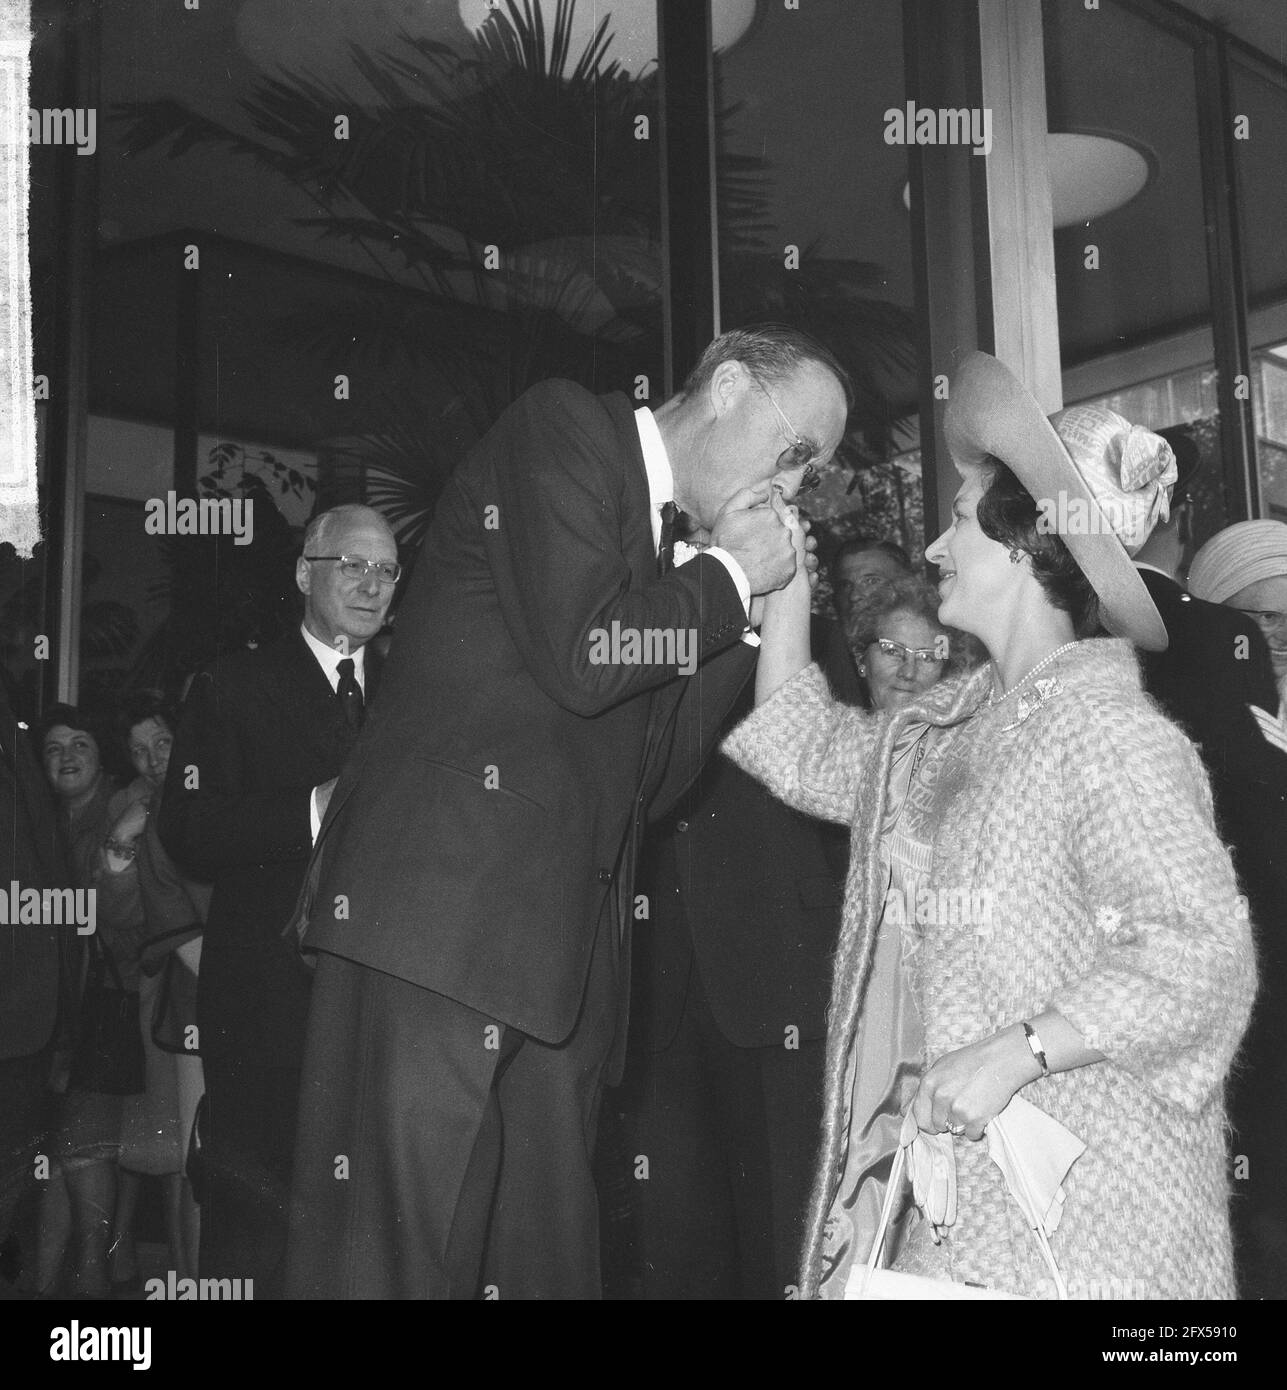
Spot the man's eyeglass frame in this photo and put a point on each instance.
(358, 567)
(798, 452)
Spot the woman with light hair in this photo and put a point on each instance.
(1245, 567)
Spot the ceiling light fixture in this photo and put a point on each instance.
(1090, 175)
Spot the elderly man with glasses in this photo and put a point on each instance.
(262, 737)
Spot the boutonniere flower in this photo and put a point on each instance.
(685, 552)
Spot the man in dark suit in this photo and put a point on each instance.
(1216, 668)
(723, 1090)
(472, 891)
(262, 737)
(33, 956)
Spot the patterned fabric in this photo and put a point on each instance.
(885, 1061)
(1081, 838)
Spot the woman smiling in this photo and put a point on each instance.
(1112, 977)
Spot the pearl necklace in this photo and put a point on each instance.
(1023, 680)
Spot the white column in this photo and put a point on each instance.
(1025, 317)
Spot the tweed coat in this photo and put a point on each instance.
(1084, 821)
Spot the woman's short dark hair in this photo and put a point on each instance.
(1008, 514)
(141, 705)
(97, 723)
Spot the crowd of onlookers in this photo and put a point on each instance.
(704, 1085)
(106, 772)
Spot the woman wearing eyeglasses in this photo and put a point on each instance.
(1040, 838)
(899, 646)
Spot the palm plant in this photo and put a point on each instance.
(453, 154)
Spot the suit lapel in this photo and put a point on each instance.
(312, 706)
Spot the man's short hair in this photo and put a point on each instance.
(324, 523)
(771, 352)
(860, 545)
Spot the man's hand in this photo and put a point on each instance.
(753, 533)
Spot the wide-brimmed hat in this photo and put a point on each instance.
(1100, 483)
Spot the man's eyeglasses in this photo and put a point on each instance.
(799, 452)
(928, 655)
(358, 567)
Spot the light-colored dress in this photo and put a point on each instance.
(886, 1060)
(1082, 824)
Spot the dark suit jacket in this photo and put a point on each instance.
(33, 854)
(1216, 666)
(261, 729)
(491, 807)
(748, 892)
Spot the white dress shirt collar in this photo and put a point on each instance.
(661, 477)
(329, 660)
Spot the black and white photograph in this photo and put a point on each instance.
(643, 658)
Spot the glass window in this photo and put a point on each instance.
(495, 227)
(1132, 280)
(819, 234)
(1260, 139)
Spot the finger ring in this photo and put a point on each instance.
(956, 1130)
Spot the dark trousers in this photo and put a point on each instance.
(252, 1009)
(248, 1129)
(730, 1135)
(442, 1154)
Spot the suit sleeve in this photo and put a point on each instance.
(1171, 990)
(557, 557)
(1261, 688)
(703, 710)
(221, 822)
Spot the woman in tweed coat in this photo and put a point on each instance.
(1110, 977)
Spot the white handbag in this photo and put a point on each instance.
(871, 1281)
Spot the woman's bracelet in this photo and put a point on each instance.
(1034, 1042)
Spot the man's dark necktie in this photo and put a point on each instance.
(350, 693)
(666, 549)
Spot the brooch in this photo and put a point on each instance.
(1030, 701)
